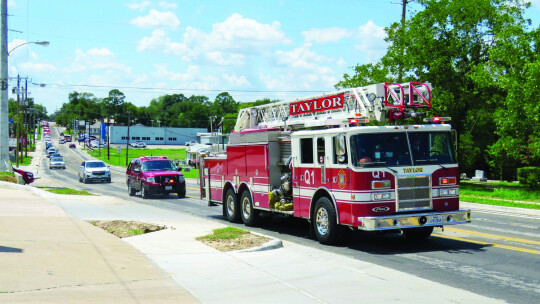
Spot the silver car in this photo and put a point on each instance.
(57, 163)
(94, 170)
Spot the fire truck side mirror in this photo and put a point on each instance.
(340, 145)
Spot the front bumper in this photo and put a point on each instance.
(58, 166)
(165, 188)
(414, 220)
(98, 177)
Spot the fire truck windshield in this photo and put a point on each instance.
(402, 149)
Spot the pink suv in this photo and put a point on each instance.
(154, 175)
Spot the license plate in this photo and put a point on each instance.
(168, 187)
(437, 219)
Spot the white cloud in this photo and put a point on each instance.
(100, 52)
(300, 68)
(535, 3)
(229, 42)
(192, 79)
(157, 19)
(327, 35)
(221, 58)
(167, 5)
(236, 81)
(159, 42)
(140, 6)
(97, 59)
(370, 41)
(303, 58)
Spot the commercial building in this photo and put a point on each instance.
(154, 135)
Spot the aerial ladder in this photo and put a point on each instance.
(376, 102)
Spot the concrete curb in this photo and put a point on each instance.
(270, 245)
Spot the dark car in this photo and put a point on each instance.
(72, 145)
(28, 177)
(154, 175)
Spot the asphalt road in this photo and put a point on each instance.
(497, 255)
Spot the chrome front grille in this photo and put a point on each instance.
(414, 193)
(165, 178)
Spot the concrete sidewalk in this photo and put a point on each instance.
(50, 256)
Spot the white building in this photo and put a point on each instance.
(154, 135)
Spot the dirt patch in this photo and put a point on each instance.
(245, 241)
(124, 229)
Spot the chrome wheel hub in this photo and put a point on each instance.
(230, 205)
(246, 208)
(321, 221)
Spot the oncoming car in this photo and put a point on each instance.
(94, 170)
(154, 175)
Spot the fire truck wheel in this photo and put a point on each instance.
(324, 222)
(249, 215)
(418, 234)
(232, 210)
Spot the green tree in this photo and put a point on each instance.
(481, 59)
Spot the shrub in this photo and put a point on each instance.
(529, 176)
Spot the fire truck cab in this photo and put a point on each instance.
(339, 177)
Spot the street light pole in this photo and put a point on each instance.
(4, 117)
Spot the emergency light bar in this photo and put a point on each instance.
(437, 119)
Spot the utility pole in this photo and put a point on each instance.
(18, 129)
(127, 141)
(108, 137)
(402, 30)
(4, 114)
(25, 101)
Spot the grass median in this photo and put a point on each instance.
(500, 194)
(62, 190)
(119, 159)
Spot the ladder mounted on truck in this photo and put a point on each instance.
(379, 102)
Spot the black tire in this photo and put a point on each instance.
(144, 192)
(131, 190)
(85, 180)
(231, 207)
(109, 180)
(182, 194)
(80, 179)
(324, 222)
(249, 215)
(418, 234)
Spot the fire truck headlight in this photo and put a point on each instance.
(181, 178)
(448, 192)
(151, 179)
(382, 196)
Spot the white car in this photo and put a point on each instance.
(190, 143)
(96, 144)
(57, 162)
(138, 144)
(50, 151)
(94, 170)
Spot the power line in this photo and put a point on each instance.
(180, 89)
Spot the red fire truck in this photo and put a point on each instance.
(316, 158)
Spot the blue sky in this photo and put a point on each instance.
(280, 49)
